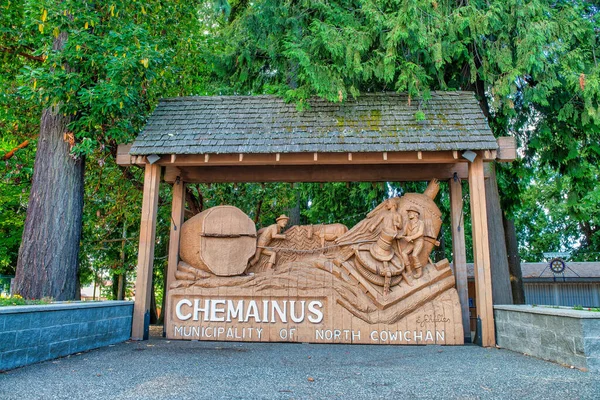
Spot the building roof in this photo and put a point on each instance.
(586, 270)
(266, 124)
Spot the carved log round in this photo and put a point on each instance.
(220, 240)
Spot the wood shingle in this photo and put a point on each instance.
(266, 124)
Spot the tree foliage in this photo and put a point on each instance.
(532, 63)
(116, 60)
(19, 122)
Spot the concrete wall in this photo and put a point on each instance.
(29, 334)
(561, 335)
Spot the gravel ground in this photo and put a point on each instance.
(162, 369)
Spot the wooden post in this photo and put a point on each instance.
(481, 252)
(459, 253)
(143, 282)
(501, 286)
(177, 214)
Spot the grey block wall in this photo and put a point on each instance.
(561, 335)
(30, 334)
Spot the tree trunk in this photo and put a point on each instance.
(153, 310)
(121, 277)
(514, 261)
(501, 288)
(49, 252)
(161, 317)
(114, 287)
(121, 287)
(294, 213)
(194, 204)
(258, 208)
(440, 252)
(95, 285)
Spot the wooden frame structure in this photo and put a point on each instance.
(450, 166)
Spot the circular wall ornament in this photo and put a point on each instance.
(557, 265)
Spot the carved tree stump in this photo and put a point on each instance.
(220, 240)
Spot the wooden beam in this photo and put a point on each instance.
(317, 173)
(506, 152)
(481, 252)
(407, 157)
(459, 253)
(143, 283)
(507, 149)
(123, 157)
(177, 214)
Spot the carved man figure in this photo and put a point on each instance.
(413, 234)
(391, 220)
(271, 232)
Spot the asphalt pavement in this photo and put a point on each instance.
(163, 369)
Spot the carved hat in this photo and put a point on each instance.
(382, 249)
(413, 208)
(281, 217)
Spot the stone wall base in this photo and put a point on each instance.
(562, 335)
(30, 334)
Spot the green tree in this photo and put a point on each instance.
(533, 65)
(95, 70)
(19, 123)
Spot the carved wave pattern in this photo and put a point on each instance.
(321, 277)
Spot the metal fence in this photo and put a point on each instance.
(563, 294)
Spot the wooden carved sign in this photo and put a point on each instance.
(374, 283)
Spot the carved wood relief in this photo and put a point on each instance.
(374, 283)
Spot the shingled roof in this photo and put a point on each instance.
(541, 270)
(266, 124)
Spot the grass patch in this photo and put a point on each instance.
(17, 300)
(581, 308)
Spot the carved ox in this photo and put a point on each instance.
(328, 232)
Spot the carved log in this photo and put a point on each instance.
(220, 240)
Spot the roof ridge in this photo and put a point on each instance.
(436, 93)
